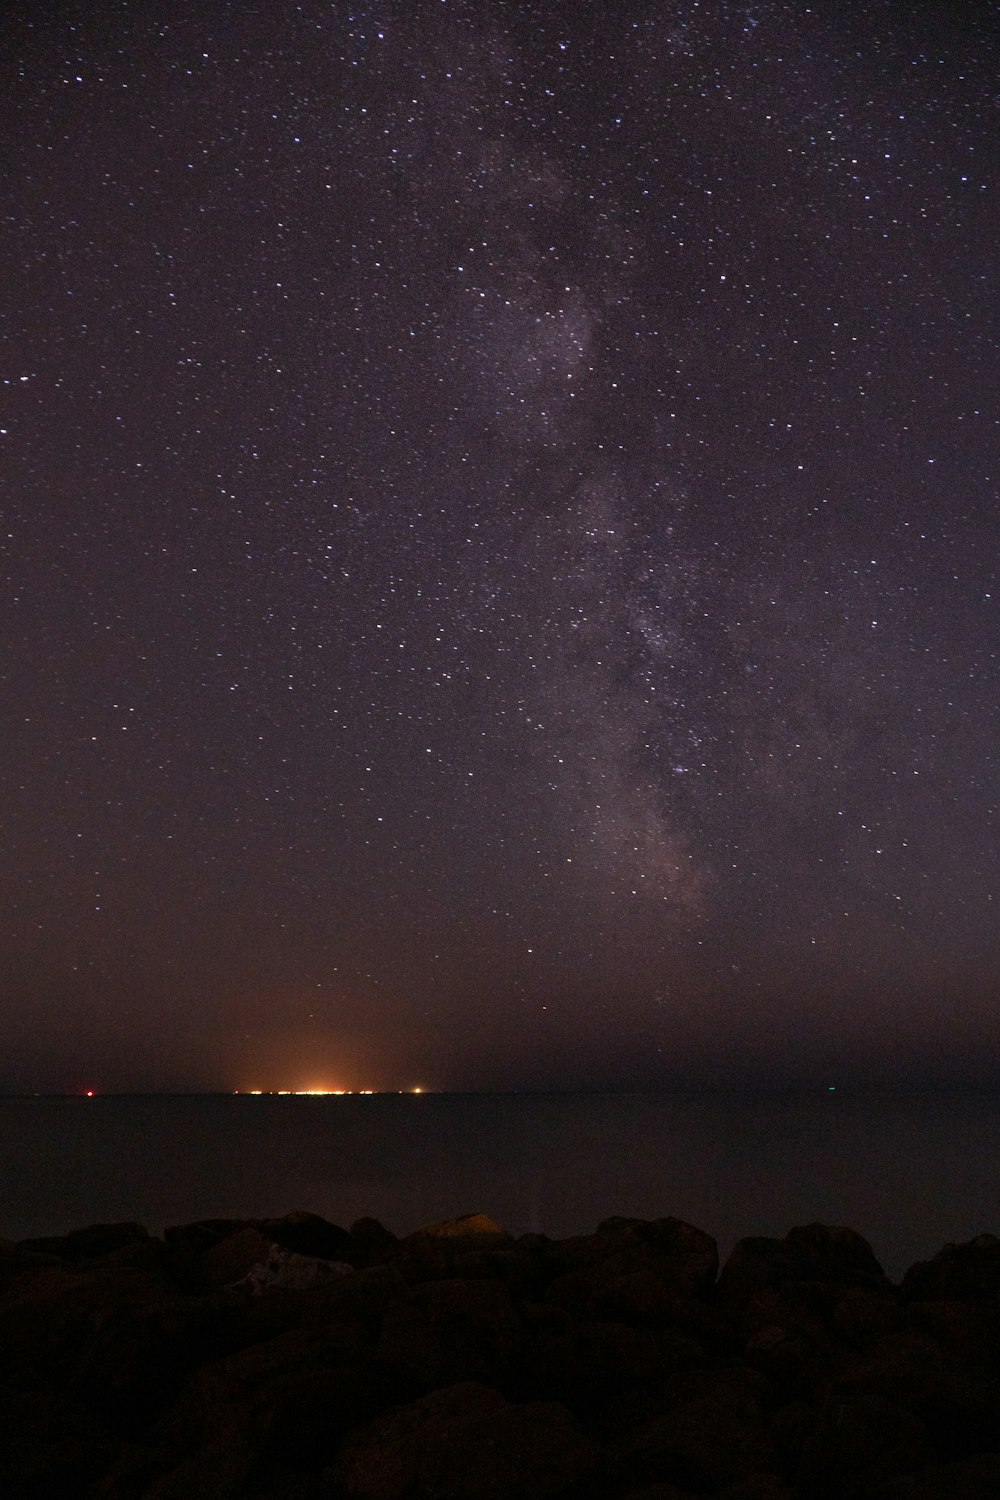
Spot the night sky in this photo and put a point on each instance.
(499, 525)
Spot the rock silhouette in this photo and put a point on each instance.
(293, 1358)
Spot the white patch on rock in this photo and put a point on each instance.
(288, 1271)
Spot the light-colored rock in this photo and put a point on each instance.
(469, 1226)
(286, 1270)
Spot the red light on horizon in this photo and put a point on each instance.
(90, 1094)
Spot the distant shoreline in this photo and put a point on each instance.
(813, 1091)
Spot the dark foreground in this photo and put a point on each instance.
(293, 1359)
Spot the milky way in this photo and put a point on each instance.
(499, 562)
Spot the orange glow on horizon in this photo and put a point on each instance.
(321, 1093)
(312, 1093)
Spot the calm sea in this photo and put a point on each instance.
(909, 1171)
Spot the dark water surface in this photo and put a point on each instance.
(909, 1171)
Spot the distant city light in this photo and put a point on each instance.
(302, 1093)
(321, 1093)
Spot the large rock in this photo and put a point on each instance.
(288, 1400)
(687, 1258)
(285, 1270)
(228, 1260)
(633, 1271)
(757, 1487)
(715, 1438)
(471, 1246)
(308, 1234)
(50, 1314)
(93, 1243)
(134, 1364)
(967, 1479)
(304, 1414)
(265, 1255)
(805, 1305)
(968, 1330)
(958, 1404)
(817, 1254)
(187, 1243)
(466, 1443)
(49, 1445)
(957, 1273)
(219, 1470)
(448, 1331)
(462, 1363)
(850, 1447)
(18, 1264)
(655, 1492)
(801, 1335)
(600, 1368)
(371, 1243)
(475, 1227)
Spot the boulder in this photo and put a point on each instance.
(286, 1401)
(633, 1271)
(49, 1314)
(217, 1470)
(308, 1234)
(466, 1443)
(92, 1243)
(849, 1447)
(715, 1438)
(958, 1273)
(599, 1369)
(131, 1473)
(202, 1233)
(472, 1246)
(304, 1413)
(656, 1492)
(448, 1331)
(818, 1254)
(228, 1260)
(262, 1256)
(304, 1384)
(17, 1263)
(757, 1487)
(968, 1330)
(285, 1270)
(967, 1479)
(371, 1243)
(131, 1364)
(478, 1227)
(686, 1258)
(805, 1305)
(462, 1363)
(185, 1244)
(958, 1404)
(49, 1445)
(863, 1315)
(802, 1334)
(789, 1356)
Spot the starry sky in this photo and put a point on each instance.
(499, 534)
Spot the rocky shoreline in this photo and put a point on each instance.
(293, 1359)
